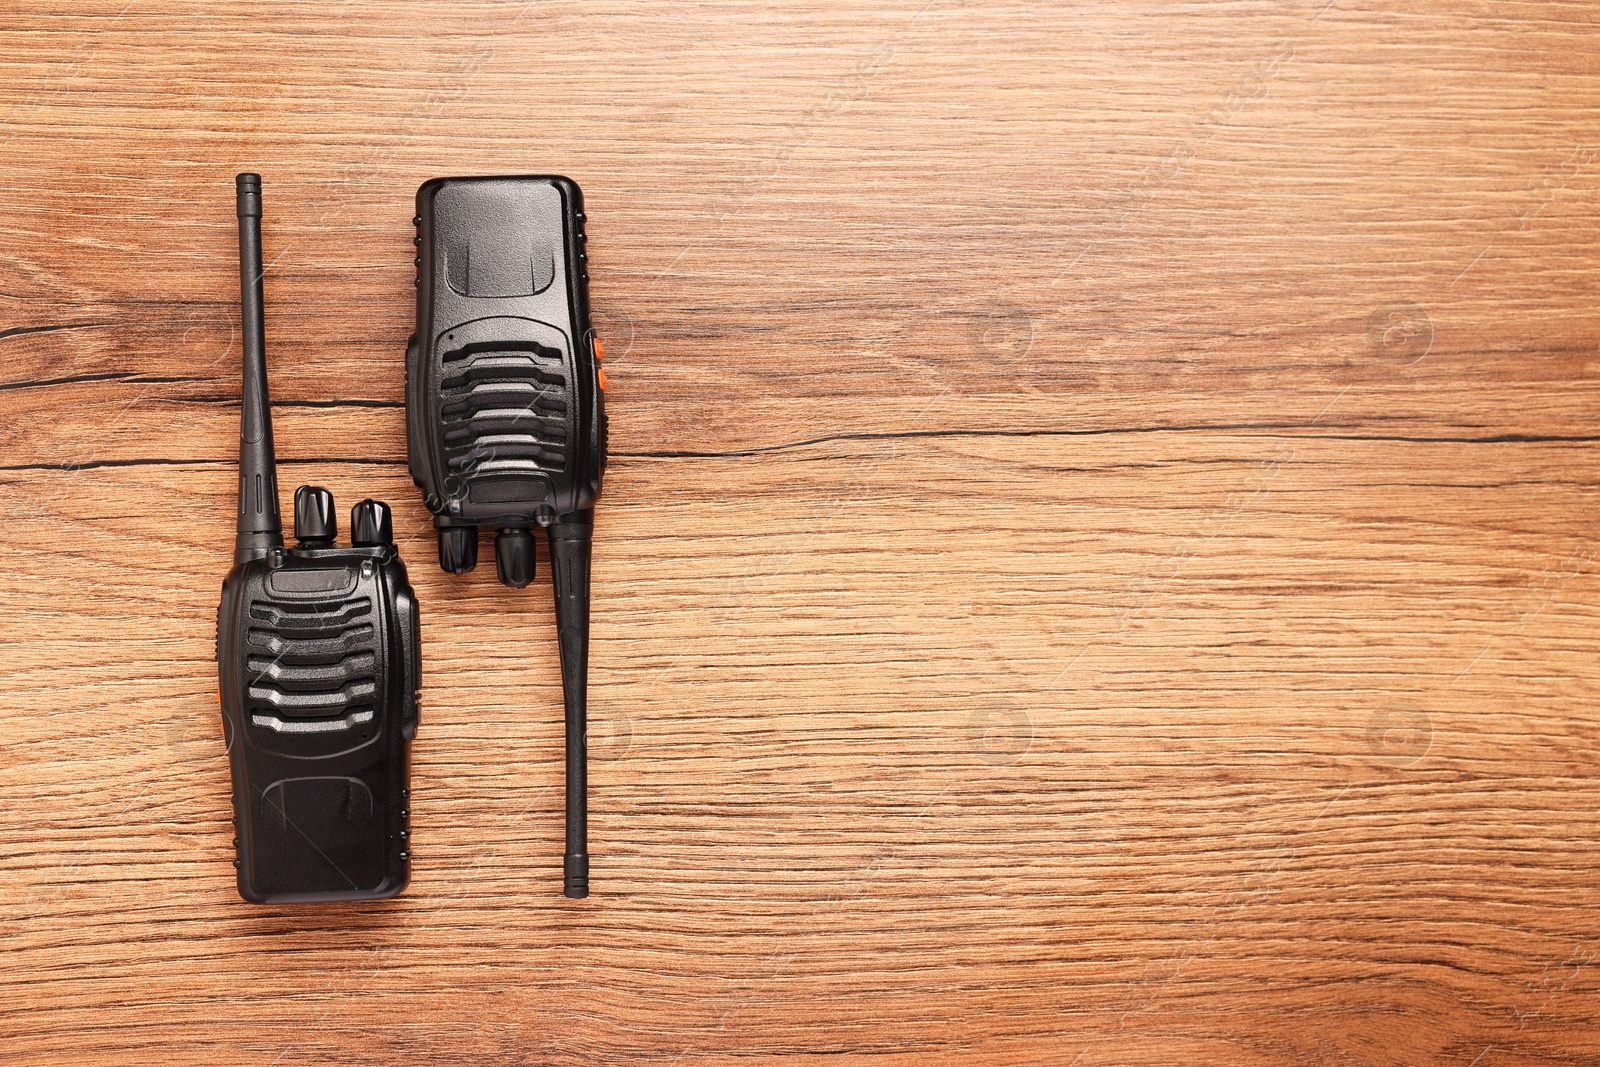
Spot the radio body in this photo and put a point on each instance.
(318, 657)
(505, 402)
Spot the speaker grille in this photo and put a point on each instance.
(312, 660)
(503, 410)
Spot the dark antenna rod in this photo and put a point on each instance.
(571, 549)
(260, 528)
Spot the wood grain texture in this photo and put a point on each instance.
(1098, 566)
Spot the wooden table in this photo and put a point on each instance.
(1099, 563)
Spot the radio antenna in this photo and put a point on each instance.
(260, 528)
(571, 549)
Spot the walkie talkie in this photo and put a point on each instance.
(505, 408)
(317, 665)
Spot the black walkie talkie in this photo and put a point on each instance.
(317, 666)
(505, 408)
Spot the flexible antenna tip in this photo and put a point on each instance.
(249, 195)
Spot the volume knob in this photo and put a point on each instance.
(513, 556)
(371, 524)
(458, 548)
(314, 523)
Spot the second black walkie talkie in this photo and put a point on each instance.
(505, 408)
(317, 666)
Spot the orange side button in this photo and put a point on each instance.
(602, 379)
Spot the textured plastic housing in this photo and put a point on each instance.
(505, 416)
(319, 672)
